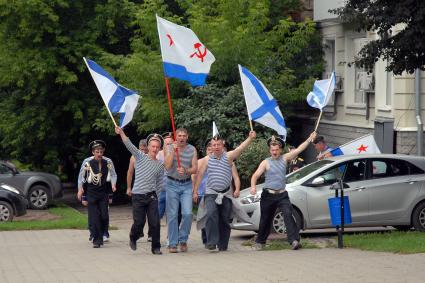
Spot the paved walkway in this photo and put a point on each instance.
(67, 256)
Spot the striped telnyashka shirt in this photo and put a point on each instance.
(275, 175)
(186, 157)
(219, 174)
(149, 173)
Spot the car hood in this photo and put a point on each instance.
(38, 174)
(246, 192)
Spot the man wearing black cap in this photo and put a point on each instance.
(322, 148)
(147, 185)
(296, 163)
(218, 203)
(95, 172)
(274, 194)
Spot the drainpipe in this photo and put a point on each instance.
(420, 135)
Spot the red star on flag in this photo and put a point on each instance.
(362, 148)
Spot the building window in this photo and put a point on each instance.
(363, 80)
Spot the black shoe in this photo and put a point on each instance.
(96, 246)
(211, 247)
(295, 245)
(133, 245)
(222, 249)
(157, 252)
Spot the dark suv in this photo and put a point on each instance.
(38, 187)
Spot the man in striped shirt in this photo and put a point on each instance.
(147, 185)
(274, 195)
(218, 204)
(180, 166)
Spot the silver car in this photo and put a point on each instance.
(383, 190)
(38, 187)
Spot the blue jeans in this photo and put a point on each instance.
(161, 203)
(178, 193)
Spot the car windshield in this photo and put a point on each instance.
(301, 173)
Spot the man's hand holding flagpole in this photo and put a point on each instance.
(319, 97)
(117, 98)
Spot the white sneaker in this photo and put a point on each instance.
(295, 245)
(105, 239)
(149, 239)
(259, 247)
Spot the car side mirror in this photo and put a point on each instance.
(318, 181)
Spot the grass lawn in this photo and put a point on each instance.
(394, 241)
(69, 218)
(280, 244)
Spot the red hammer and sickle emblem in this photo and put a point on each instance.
(199, 53)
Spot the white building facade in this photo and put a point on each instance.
(378, 103)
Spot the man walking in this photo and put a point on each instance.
(95, 172)
(179, 189)
(168, 140)
(218, 204)
(274, 194)
(147, 185)
(322, 148)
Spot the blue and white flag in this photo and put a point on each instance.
(117, 98)
(322, 92)
(183, 55)
(215, 130)
(362, 145)
(262, 107)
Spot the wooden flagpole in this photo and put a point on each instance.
(107, 108)
(318, 120)
(170, 106)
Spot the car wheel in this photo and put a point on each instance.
(6, 212)
(419, 218)
(278, 224)
(38, 197)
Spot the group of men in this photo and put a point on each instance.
(169, 169)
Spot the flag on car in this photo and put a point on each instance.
(117, 98)
(322, 92)
(365, 144)
(183, 55)
(262, 107)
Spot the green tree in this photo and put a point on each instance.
(49, 102)
(51, 107)
(404, 50)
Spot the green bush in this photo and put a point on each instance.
(249, 160)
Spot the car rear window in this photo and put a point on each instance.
(393, 167)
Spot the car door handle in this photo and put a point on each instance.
(410, 182)
(359, 189)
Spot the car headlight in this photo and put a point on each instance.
(9, 188)
(251, 199)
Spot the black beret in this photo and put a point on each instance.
(207, 142)
(318, 139)
(276, 140)
(97, 143)
(167, 135)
